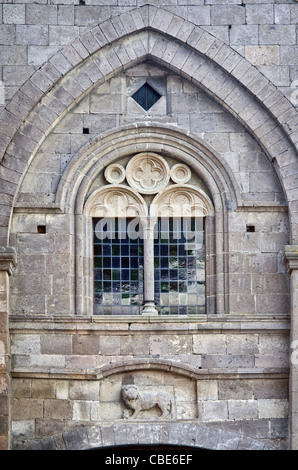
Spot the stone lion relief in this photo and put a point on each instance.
(137, 402)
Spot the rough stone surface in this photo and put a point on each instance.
(226, 72)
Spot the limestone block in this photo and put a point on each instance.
(185, 390)
(186, 410)
(21, 303)
(240, 283)
(26, 409)
(47, 360)
(273, 344)
(272, 408)
(176, 344)
(21, 388)
(235, 390)
(110, 412)
(91, 15)
(209, 344)
(23, 427)
(32, 34)
(262, 55)
(55, 344)
(81, 390)
(277, 34)
(270, 283)
(136, 344)
(65, 14)
(6, 34)
(43, 388)
(85, 344)
(81, 411)
(110, 392)
(214, 410)
(41, 14)
(80, 362)
(242, 344)
(199, 11)
(259, 14)
(227, 14)
(273, 242)
(243, 34)
(57, 409)
(227, 361)
(273, 303)
(271, 360)
(282, 14)
(294, 14)
(243, 409)
(25, 344)
(14, 55)
(40, 54)
(109, 345)
(13, 14)
(62, 389)
(207, 390)
(62, 35)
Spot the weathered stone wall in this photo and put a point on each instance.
(264, 33)
(229, 379)
(217, 374)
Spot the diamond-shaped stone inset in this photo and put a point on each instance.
(146, 96)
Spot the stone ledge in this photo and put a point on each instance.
(133, 324)
(8, 259)
(170, 366)
(291, 256)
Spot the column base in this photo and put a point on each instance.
(149, 309)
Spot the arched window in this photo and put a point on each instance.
(149, 239)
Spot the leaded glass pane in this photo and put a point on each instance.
(118, 268)
(180, 266)
(146, 96)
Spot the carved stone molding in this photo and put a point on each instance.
(115, 201)
(115, 173)
(180, 173)
(8, 259)
(181, 201)
(291, 256)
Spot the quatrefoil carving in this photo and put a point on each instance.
(148, 173)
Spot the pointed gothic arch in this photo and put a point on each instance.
(147, 32)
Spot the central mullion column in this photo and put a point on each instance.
(148, 226)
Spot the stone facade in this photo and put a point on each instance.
(225, 73)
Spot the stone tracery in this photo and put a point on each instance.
(149, 174)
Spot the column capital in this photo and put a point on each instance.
(291, 257)
(8, 259)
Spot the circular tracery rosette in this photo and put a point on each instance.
(147, 173)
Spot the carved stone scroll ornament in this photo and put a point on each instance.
(137, 402)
